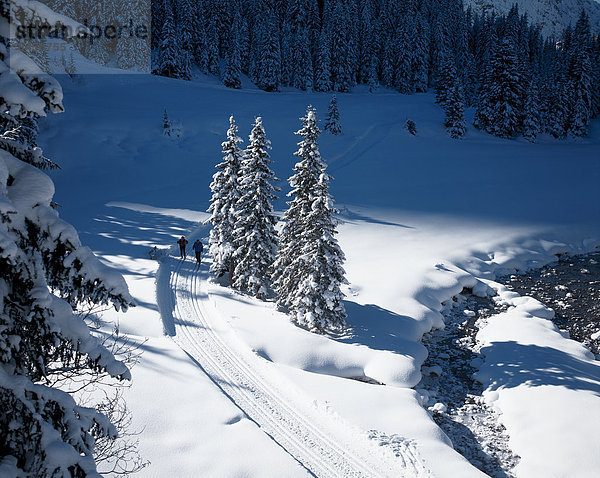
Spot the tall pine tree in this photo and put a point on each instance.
(308, 270)
(500, 109)
(225, 190)
(332, 122)
(254, 234)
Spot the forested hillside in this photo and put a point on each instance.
(519, 81)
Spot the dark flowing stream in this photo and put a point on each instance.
(570, 286)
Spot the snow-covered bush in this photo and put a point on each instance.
(411, 127)
(171, 128)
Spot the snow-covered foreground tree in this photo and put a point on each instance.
(225, 190)
(254, 235)
(45, 273)
(308, 270)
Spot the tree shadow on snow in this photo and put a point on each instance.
(382, 329)
(348, 215)
(512, 364)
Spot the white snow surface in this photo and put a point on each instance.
(422, 216)
(528, 360)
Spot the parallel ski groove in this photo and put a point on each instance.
(307, 434)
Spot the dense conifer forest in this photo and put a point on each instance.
(518, 81)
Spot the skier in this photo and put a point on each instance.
(198, 250)
(182, 243)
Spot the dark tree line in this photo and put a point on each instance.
(519, 81)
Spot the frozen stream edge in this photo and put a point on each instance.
(570, 286)
(454, 398)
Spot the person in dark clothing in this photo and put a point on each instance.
(198, 247)
(182, 243)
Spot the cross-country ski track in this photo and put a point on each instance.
(324, 444)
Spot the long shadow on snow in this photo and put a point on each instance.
(382, 329)
(532, 365)
(348, 215)
(131, 234)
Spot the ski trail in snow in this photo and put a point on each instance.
(322, 443)
(348, 156)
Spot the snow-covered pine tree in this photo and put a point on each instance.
(19, 130)
(341, 46)
(286, 53)
(308, 270)
(420, 56)
(231, 76)
(254, 235)
(318, 301)
(302, 77)
(403, 77)
(225, 190)
(332, 122)
(595, 57)
(560, 108)
(45, 273)
(388, 60)
(446, 80)
(454, 107)
(169, 53)
(212, 39)
(303, 183)
(531, 121)
(269, 71)
(580, 77)
(483, 49)
(365, 41)
(322, 66)
(500, 110)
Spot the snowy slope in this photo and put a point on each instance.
(553, 15)
(422, 217)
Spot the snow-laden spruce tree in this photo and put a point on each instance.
(169, 51)
(308, 269)
(322, 67)
(454, 107)
(446, 80)
(531, 120)
(332, 122)
(500, 107)
(45, 273)
(269, 71)
(303, 183)
(341, 48)
(231, 75)
(225, 190)
(254, 235)
(580, 77)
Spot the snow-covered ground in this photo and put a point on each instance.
(423, 217)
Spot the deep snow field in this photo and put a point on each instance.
(422, 217)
